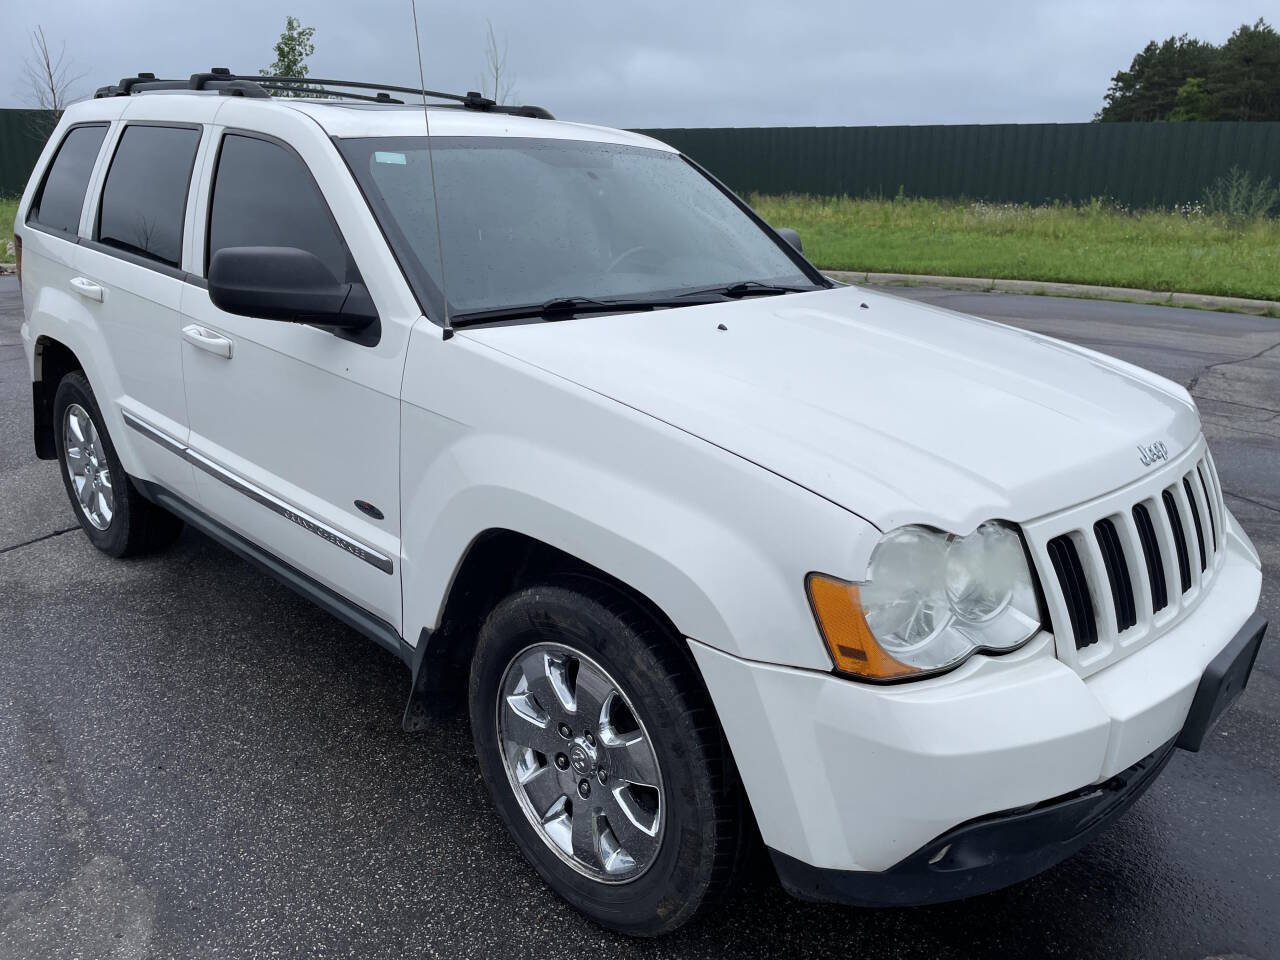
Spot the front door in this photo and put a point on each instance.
(293, 426)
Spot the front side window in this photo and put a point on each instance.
(60, 199)
(529, 220)
(264, 196)
(144, 200)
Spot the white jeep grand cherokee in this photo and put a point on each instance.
(709, 544)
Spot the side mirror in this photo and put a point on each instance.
(285, 283)
(789, 235)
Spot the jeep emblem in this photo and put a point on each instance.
(1152, 452)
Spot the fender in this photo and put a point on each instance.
(611, 487)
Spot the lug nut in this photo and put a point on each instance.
(565, 731)
(584, 789)
(602, 775)
(590, 738)
(562, 761)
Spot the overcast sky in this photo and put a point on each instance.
(656, 63)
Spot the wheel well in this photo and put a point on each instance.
(497, 563)
(54, 361)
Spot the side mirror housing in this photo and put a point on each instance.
(789, 235)
(285, 283)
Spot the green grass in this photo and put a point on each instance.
(1092, 243)
(8, 210)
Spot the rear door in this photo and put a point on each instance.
(292, 425)
(130, 271)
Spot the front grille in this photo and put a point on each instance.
(1112, 577)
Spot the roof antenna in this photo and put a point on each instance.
(431, 164)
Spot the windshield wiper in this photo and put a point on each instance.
(561, 307)
(749, 288)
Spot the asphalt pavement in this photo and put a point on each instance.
(195, 763)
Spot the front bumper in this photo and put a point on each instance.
(996, 851)
(875, 781)
(984, 855)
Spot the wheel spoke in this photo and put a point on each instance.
(529, 725)
(615, 857)
(558, 825)
(636, 823)
(585, 839)
(75, 455)
(594, 690)
(547, 680)
(542, 788)
(76, 426)
(630, 757)
(106, 506)
(84, 492)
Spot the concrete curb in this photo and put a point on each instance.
(8, 268)
(1199, 301)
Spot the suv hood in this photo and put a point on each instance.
(897, 411)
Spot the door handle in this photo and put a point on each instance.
(87, 288)
(206, 339)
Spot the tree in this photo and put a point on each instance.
(496, 83)
(50, 82)
(1246, 85)
(1188, 79)
(1193, 102)
(1148, 90)
(292, 50)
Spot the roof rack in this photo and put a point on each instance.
(222, 80)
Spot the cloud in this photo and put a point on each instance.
(667, 63)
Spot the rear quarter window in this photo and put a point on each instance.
(59, 200)
(144, 200)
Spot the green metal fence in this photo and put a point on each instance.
(22, 137)
(1135, 164)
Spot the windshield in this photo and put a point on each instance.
(525, 221)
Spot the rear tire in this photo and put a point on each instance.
(635, 713)
(115, 517)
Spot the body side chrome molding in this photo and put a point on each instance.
(258, 495)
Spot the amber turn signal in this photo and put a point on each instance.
(852, 645)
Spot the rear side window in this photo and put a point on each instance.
(58, 203)
(264, 196)
(144, 200)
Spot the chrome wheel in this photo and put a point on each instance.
(86, 462)
(580, 762)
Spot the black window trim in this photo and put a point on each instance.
(72, 236)
(137, 259)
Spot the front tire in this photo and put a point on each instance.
(115, 517)
(604, 757)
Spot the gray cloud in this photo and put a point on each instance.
(665, 63)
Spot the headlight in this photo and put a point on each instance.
(930, 600)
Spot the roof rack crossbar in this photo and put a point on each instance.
(250, 85)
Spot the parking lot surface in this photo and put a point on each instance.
(195, 763)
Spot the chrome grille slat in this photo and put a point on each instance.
(1119, 571)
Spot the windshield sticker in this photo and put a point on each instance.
(385, 156)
